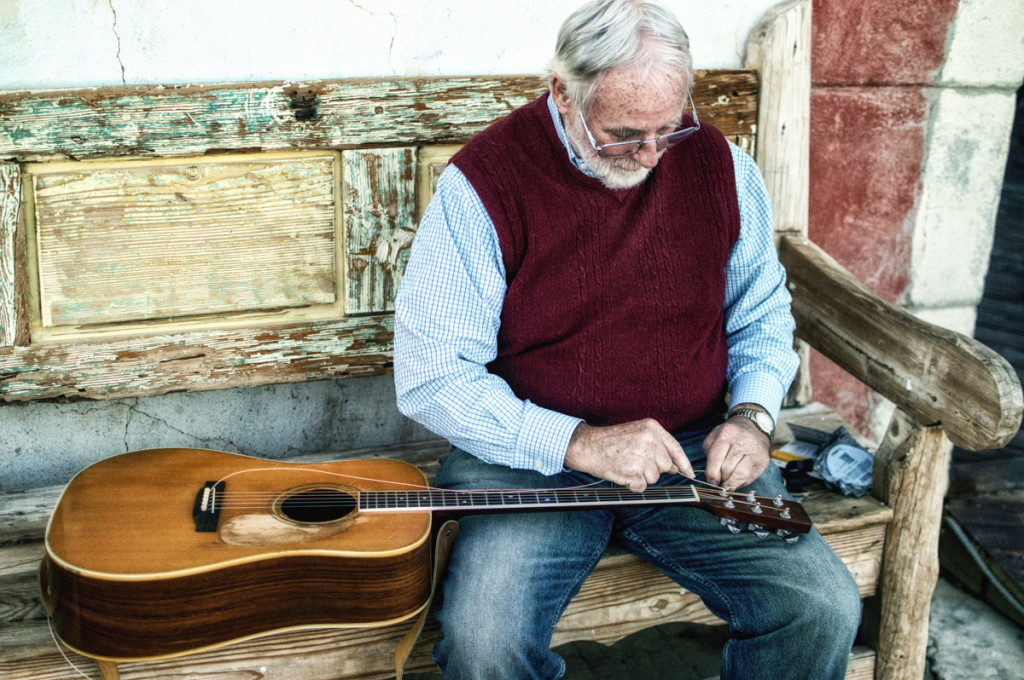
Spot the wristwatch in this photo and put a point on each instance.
(763, 421)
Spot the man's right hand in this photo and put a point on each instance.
(632, 454)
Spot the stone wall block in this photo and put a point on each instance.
(867, 147)
(961, 183)
(882, 42)
(986, 45)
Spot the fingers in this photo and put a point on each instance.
(663, 453)
(716, 450)
(742, 473)
(633, 454)
(735, 455)
(679, 462)
(651, 451)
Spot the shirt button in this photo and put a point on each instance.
(538, 464)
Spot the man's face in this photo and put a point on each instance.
(626, 107)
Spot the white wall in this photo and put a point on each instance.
(72, 43)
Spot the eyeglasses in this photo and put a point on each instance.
(615, 149)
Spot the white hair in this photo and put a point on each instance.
(607, 35)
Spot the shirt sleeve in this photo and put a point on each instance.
(447, 316)
(758, 323)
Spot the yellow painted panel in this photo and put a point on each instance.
(146, 240)
(431, 163)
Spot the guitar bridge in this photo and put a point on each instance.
(206, 509)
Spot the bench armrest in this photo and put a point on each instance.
(936, 375)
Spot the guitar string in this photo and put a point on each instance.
(255, 500)
(421, 487)
(260, 495)
(263, 495)
(331, 499)
(738, 503)
(56, 643)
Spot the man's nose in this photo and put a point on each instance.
(648, 154)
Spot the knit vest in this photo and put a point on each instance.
(614, 307)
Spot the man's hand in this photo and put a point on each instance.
(632, 454)
(737, 453)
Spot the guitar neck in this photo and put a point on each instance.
(757, 512)
(443, 500)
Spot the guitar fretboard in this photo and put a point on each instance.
(441, 499)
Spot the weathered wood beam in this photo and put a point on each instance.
(195, 361)
(24, 514)
(196, 119)
(936, 375)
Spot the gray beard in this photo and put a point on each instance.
(607, 170)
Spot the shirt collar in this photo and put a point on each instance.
(574, 157)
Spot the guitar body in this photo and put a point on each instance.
(128, 576)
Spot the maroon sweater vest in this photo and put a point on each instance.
(614, 304)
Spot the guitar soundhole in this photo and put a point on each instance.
(319, 505)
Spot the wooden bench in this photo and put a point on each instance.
(623, 596)
(324, 182)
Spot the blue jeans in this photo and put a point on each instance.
(792, 609)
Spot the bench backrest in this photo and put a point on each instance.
(189, 238)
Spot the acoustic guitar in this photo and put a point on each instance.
(167, 551)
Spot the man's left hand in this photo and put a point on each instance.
(737, 453)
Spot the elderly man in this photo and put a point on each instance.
(594, 278)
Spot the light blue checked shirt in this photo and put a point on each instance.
(448, 312)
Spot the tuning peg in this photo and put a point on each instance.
(788, 536)
(731, 525)
(778, 501)
(759, 530)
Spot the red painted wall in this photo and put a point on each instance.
(873, 63)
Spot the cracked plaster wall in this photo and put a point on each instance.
(114, 42)
(47, 443)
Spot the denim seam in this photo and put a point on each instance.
(669, 566)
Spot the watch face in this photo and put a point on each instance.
(761, 419)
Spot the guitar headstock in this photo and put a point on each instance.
(761, 514)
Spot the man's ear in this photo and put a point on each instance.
(560, 94)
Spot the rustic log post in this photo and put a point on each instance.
(910, 475)
(779, 48)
